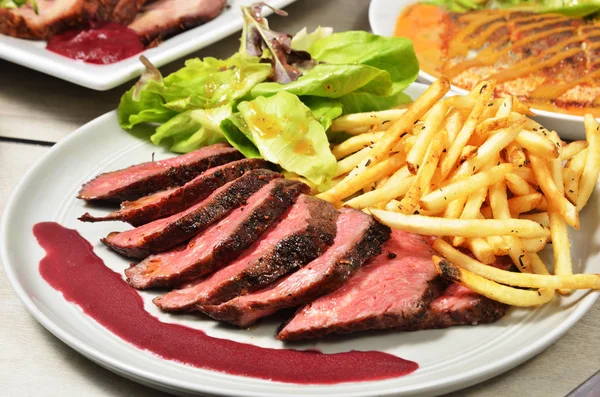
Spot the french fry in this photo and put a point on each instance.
(527, 174)
(537, 145)
(589, 177)
(534, 244)
(481, 249)
(434, 120)
(453, 125)
(349, 163)
(555, 198)
(490, 149)
(559, 232)
(500, 210)
(410, 201)
(521, 204)
(432, 226)
(505, 107)
(355, 120)
(351, 185)
(486, 90)
(515, 155)
(540, 217)
(468, 152)
(440, 198)
(383, 194)
(404, 124)
(499, 245)
(579, 281)
(358, 130)
(570, 150)
(518, 185)
(572, 174)
(490, 289)
(354, 144)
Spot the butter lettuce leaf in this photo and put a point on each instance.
(211, 82)
(395, 55)
(193, 129)
(236, 131)
(325, 110)
(285, 132)
(332, 81)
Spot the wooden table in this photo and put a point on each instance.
(38, 110)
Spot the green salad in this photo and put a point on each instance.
(572, 8)
(276, 97)
(19, 3)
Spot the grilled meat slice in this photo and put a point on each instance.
(220, 243)
(174, 200)
(121, 11)
(162, 19)
(392, 290)
(459, 305)
(163, 234)
(359, 237)
(303, 233)
(140, 180)
(53, 16)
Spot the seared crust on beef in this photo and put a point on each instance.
(293, 242)
(143, 179)
(162, 19)
(391, 291)
(54, 16)
(219, 244)
(166, 203)
(166, 233)
(321, 276)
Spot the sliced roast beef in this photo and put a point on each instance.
(163, 234)
(359, 237)
(162, 19)
(220, 243)
(121, 11)
(459, 305)
(140, 180)
(300, 236)
(393, 290)
(52, 16)
(174, 200)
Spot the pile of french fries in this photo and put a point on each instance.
(482, 176)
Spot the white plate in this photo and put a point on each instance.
(382, 18)
(33, 54)
(449, 359)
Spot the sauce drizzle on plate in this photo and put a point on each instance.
(71, 267)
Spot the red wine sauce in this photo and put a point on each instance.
(71, 267)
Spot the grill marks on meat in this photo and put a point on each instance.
(53, 16)
(166, 233)
(393, 290)
(220, 243)
(304, 233)
(359, 237)
(164, 18)
(172, 201)
(140, 180)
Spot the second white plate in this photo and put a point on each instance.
(33, 54)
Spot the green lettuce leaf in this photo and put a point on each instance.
(303, 40)
(332, 81)
(285, 132)
(211, 82)
(358, 102)
(392, 54)
(236, 131)
(193, 129)
(325, 110)
(140, 104)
